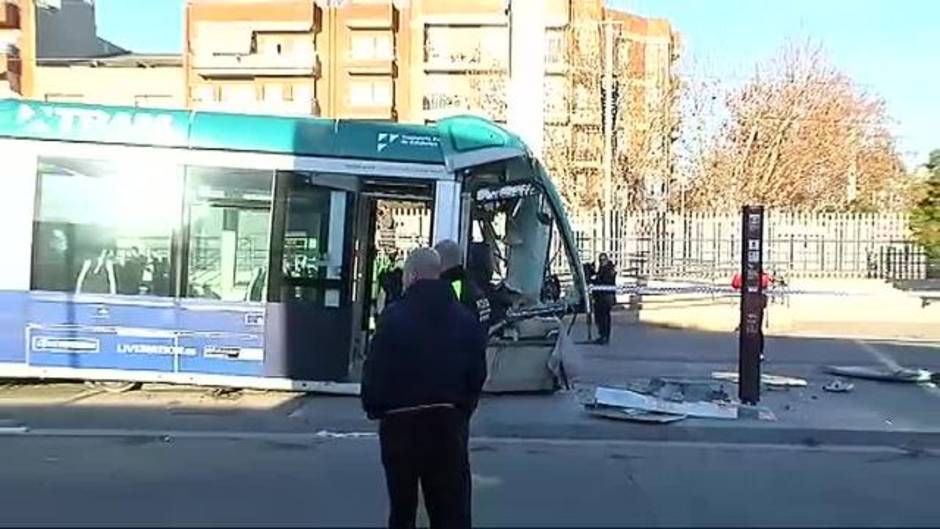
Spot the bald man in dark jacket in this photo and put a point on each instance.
(422, 380)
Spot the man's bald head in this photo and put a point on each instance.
(450, 253)
(423, 263)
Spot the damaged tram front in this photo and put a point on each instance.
(520, 246)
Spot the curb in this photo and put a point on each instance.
(736, 434)
(604, 431)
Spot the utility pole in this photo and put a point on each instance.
(608, 156)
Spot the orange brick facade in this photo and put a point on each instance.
(408, 60)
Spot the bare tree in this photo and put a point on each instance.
(798, 134)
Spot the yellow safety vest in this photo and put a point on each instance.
(458, 287)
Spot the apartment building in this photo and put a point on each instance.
(51, 51)
(411, 60)
(402, 60)
(17, 49)
(151, 81)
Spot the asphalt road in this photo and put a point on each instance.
(636, 353)
(282, 480)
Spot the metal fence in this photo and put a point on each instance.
(707, 246)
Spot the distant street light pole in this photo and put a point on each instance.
(608, 156)
(527, 72)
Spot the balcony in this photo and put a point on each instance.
(9, 15)
(370, 66)
(236, 65)
(9, 65)
(302, 108)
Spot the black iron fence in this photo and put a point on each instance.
(708, 246)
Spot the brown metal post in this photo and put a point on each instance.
(751, 338)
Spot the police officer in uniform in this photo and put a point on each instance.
(468, 292)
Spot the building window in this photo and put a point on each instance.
(64, 98)
(371, 47)
(154, 101)
(95, 231)
(238, 93)
(484, 46)
(274, 93)
(229, 217)
(370, 93)
(556, 98)
(302, 93)
(555, 47)
(204, 93)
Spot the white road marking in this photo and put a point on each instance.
(13, 430)
(485, 482)
(897, 341)
(171, 435)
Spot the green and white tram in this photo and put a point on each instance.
(238, 250)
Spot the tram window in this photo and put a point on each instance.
(229, 216)
(104, 227)
(314, 238)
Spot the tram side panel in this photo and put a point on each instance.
(17, 196)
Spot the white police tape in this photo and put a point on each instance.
(710, 289)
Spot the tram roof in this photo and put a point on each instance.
(444, 143)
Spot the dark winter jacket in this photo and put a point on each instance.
(428, 349)
(606, 275)
(470, 295)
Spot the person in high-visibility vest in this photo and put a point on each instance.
(468, 292)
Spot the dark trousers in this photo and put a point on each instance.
(602, 308)
(427, 447)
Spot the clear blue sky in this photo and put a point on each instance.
(892, 47)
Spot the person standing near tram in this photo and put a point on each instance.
(603, 275)
(422, 381)
(468, 292)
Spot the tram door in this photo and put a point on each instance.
(310, 287)
(394, 218)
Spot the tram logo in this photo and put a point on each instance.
(386, 139)
(67, 120)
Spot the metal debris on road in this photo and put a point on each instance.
(635, 415)
(883, 374)
(622, 398)
(838, 386)
(768, 380)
